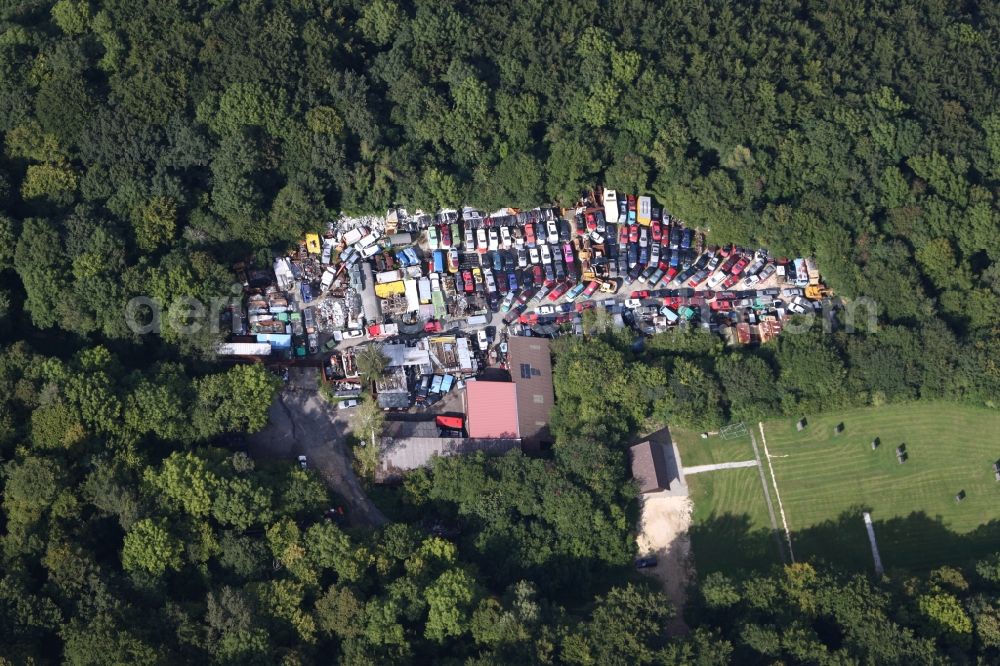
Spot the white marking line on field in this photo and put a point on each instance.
(777, 494)
(767, 495)
(697, 469)
(871, 539)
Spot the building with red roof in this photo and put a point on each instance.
(491, 410)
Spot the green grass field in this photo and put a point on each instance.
(697, 451)
(827, 480)
(730, 524)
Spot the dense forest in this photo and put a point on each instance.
(146, 145)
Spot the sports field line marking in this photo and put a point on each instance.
(698, 469)
(767, 497)
(777, 494)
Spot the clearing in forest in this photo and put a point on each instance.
(828, 479)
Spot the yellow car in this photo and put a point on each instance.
(477, 275)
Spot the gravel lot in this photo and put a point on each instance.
(302, 423)
(664, 533)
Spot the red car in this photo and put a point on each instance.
(469, 284)
(623, 235)
(584, 305)
(730, 281)
(644, 293)
(656, 231)
(671, 274)
(721, 306)
(529, 234)
(633, 233)
(740, 265)
(557, 293)
(538, 275)
(529, 318)
(631, 202)
(432, 326)
(591, 288)
(445, 232)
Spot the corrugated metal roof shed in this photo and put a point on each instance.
(243, 349)
(491, 410)
(404, 454)
(402, 355)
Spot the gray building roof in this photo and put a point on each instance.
(531, 371)
(649, 467)
(402, 454)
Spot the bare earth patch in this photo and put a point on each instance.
(664, 532)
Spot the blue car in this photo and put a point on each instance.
(497, 261)
(686, 239)
(512, 280)
(307, 292)
(675, 258)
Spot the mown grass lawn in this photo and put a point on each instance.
(730, 527)
(697, 451)
(827, 480)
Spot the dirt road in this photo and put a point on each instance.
(664, 533)
(302, 423)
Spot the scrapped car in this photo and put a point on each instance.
(545, 253)
(567, 250)
(573, 293)
(529, 234)
(558, 291)
(505, 238)
(551, 231)
(507, 302)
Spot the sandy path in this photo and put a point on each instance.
(664, 533)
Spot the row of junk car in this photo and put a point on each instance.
(597, 249)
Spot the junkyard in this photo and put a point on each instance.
(444, 294)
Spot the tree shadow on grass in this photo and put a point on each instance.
(916, 543)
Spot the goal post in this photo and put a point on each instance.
(733, 430)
